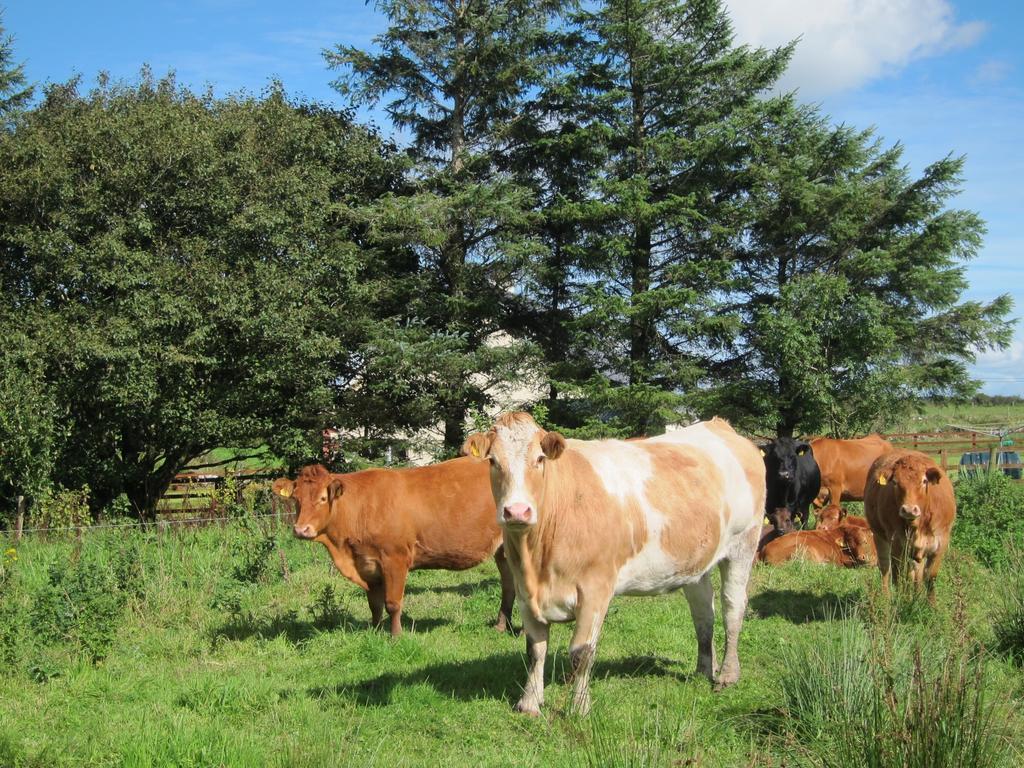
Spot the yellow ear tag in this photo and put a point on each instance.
(882, 480)
(763, 453)
(767, 521)
(284, 493)
(800, 453)
(474, 450)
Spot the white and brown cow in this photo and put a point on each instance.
(583, 521)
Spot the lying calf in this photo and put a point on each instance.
(846, 545)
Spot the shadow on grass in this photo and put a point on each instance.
(499, 677)
(466, 589)
(297, 630)
(801, 607)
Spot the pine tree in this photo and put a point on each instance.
(659, 95)
(849, 279)
(14, 93)
(457, 73)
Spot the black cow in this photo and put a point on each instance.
(793, 481)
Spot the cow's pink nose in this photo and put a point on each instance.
(517, 513)
(910, 511)
(304, 531)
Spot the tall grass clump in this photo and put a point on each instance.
(1008, 621)
(884, 696)
(659, 741)
(990, 517)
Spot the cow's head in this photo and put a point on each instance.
(829, 518)
(782, 519)
(518, 451)
(780, 459)
(910, 479)
(858, 542)
(314, 492)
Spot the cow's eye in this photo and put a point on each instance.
(539, 460)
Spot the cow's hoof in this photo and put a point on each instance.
(527, 709)
(724, 682)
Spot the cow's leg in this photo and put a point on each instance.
(897, 554)
(375, 597)
(735, 575)
(508, 591)
(394, 571)
(883, 550)
(701, 597)
(931, 571)
(536, 650)
(590, 612)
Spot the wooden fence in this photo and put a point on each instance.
(947, 448)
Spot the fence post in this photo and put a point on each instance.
(19, 521)
(944, 460)
(992, 451)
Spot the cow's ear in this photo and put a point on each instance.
(802, 448)
(933, 475)
(334, 489)
(552, 444)
(477, 445)
(283, 487)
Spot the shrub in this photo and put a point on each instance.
(990, 517)
(80, 605)
(62, 508)
(11, 615)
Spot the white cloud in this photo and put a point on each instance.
(846, 43)
(992, 71)
(1002, 371)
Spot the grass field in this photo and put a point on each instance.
(218, 659)
(941, 418)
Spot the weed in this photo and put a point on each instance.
(252, 547)
(1008, 621)
(80, 605)
(327, 610)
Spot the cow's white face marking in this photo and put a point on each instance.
(517, 470)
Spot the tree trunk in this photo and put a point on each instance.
(640, 322)
(454, 428)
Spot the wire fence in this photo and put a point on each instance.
(151, 524)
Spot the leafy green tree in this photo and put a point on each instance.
(14, 92)
(849, 279)
(31, 424)
(190, 272)
(658, 96)
(456, 74)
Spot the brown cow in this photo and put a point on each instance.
(831, 516)
(379, 524)
(911, 508)
(586, 520)
(846, 545)
(844, 466)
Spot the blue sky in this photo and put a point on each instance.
(938, 76)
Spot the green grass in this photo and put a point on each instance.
(941, 418)
(285, 673)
